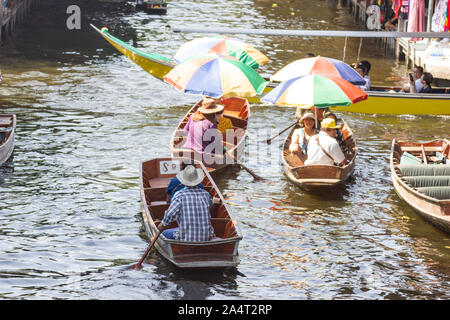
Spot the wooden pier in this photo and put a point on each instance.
(413, 53)
(12, 13)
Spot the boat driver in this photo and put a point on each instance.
(190, 208)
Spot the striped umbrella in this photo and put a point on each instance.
(216, 76)
(318, 65)
(223, 46)
(315, 90)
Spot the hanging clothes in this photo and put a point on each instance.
(439, 19)
(447, 18)
(396, 5)
(416, 20)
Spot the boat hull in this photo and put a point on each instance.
(401, 103)
(220, 252)
(434, 211)
(379, 102)
(7, 147)
(318, 177)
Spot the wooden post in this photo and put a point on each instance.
(397, 41)
(407, 55)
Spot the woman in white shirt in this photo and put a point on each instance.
(301, 136)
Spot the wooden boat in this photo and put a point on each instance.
(380, 100)
(152, 6)
(238, 111)
(317, 177)
(424, 186)
(7, 136)
(155, 64)
(220, 252)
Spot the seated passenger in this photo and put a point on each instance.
(415, 81)
(363, 69)
(190, 208)
(323, 148)
(427, 79)
(301, 136)
(318, 113)
(175, 185)
(223, 124)
(199, 123)
(339, 135)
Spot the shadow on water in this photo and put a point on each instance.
(430, 241)
(87, 116)
(196, 284)
(7, 169)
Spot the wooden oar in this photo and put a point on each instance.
(138, 266)
(268, 141)
(255, 176)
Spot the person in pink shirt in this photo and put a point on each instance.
(201, 128)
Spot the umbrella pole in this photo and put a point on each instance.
(315, 116)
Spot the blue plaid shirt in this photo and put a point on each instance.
(190, 208)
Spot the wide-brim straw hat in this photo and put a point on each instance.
(209, 106)
(191, 176)
(307, 115)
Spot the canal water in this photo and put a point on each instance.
(70, 221)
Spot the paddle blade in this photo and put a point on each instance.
(137, 266)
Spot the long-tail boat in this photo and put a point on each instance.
(238, 111)
(319, 177)
(7, 136)
(220, 252)
(152, 6)
(421, 177)
(382, 100)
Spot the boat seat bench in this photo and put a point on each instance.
(428, 181)
(424, 170)
(431, 180)
(440, 193)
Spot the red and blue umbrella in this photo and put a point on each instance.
(321, 66)
(315, 90)
(222, 46)
(216, 76)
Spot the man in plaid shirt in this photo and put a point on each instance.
(190, 208)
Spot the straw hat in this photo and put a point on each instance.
(190, 176)
(328, 123)
(209, 106)
(308, 115)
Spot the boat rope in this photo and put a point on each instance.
(359, 49)
(311, 33)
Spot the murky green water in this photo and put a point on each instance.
(69, 199)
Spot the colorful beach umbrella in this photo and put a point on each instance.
(223, 46)
(315, 90)
(216, 76)
(321, 66)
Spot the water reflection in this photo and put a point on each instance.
(87, 116)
